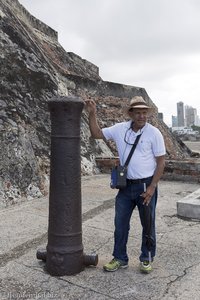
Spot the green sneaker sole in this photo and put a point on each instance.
(115, 269)
(148, 269)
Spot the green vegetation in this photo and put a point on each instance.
(196, 128)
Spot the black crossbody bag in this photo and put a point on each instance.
(119, 173)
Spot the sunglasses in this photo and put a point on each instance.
(126, 139)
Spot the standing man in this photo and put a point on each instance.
(144, 171)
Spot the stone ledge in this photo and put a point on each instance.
(184, 170)
(189, 207)
(188, 170)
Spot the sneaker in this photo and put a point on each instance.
(114, 265)
(145, 267)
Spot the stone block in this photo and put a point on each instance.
(189, 206)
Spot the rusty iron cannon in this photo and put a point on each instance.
(64, 252)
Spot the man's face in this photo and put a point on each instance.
(139, 116)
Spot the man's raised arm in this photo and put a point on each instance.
(95, 130)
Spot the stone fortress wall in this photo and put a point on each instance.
(31, 20)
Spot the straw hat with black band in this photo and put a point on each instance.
(137, 102)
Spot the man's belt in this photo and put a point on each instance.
(138, 181)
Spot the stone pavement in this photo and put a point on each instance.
(176, 267)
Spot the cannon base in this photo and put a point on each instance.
(58, 265)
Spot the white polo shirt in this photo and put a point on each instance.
(151, 144)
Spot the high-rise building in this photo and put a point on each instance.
(174, 121)
(190, 115)
(197, 120)
(180, 114)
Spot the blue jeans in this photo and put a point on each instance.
(126, 200)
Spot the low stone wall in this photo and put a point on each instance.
(105, 164)
(188, 170)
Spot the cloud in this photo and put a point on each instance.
(153, 44)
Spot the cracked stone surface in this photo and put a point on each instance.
(176, 267)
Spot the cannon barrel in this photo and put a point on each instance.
(64, 252)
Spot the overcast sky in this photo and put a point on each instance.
(154, 44)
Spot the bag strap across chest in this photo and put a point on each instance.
(132, 150)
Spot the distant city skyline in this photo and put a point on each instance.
(186, 116)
